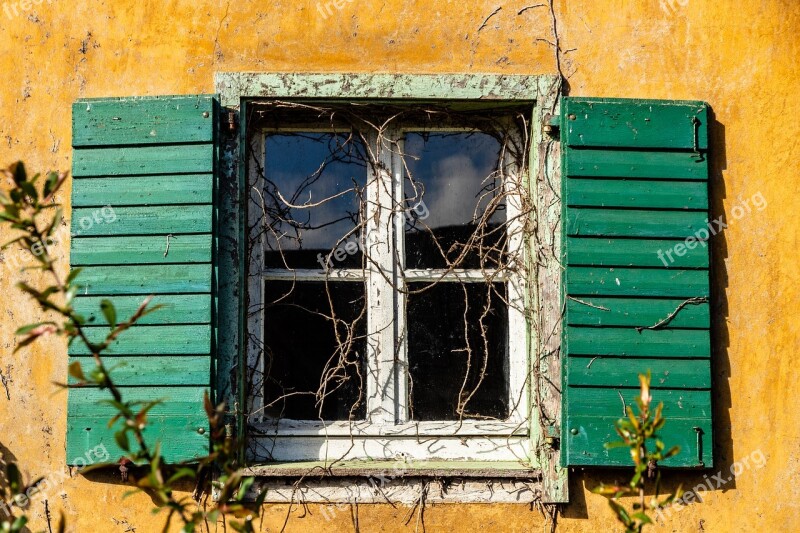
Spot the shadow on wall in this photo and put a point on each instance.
(722, 477)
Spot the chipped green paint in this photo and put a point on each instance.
(234, 86)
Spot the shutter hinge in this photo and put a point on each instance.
(552, 436)
(699, 432)
(698, 155)
(232, 121)
(551, 126)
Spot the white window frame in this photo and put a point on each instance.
(387, 433)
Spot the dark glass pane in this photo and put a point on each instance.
(306, 169)
(444, 375)
(452, 181)
(301, 350)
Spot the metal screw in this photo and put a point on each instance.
(571, 116)
(574, 431)
(201, 430)
(205, 114)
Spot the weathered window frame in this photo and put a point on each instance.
(236, 89)
(494, 440)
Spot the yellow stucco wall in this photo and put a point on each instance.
(741, 57)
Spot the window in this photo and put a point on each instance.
(386, 312)
(408, 284)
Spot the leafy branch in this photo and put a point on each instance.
(636, 431)
(29, 208)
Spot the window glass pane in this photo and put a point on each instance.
(315, 368)
(455, 208)
(304, 169)
(458, 351)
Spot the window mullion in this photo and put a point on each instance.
(400, 366)
(380, 290)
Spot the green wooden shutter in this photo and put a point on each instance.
(144, 168)
(635, 184)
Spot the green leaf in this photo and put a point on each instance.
(260, 500)
(72, 275)
(55, 223)
(675, 450)
(14, 478)
(76, 371)
(18, 172)
(30, 327)
(129, 493)
(180, 474)
(9, 217)
(621, 512)
(244, 487)
(29, 190)
(19, 523)
(50, 184)
(109, 312)
(122, 440)
(25, 342)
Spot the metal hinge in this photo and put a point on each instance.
(551, 126)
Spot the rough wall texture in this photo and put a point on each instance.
(738, 56)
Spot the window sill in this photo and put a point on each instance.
(396, 469)
(379, 482)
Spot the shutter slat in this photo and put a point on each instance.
(606, 122)
(583, 281)
(620, 372)
(635, 223)
(144, 171)
(650, 194)
(143, 190)
(158, 159)
(635, 164)
(151, 220)
(86, 402)
(155, 369)
(678, 403)
(144, 340)
(141, 250)
(622, 341)
(179, 437)
(177, 308)
(594, 431)
(145, 279)
(635, 189)
(635, 312)
(633, 252)
(138, 121)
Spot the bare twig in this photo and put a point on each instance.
(486, 20)
(663, 322)
(589, 304)
(524, 9)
